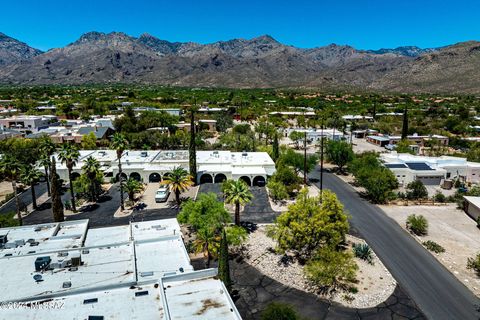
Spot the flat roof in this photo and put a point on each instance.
(395, 165)
(198, 295)
(43, 238)
(110, 265)
(473, 200)
(121, 303)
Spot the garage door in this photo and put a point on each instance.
(430, 181)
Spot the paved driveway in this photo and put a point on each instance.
(435, 290)
(25, 198)
(99, 215)
(257, 211)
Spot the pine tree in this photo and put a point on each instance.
(192, 148)
(223, 264)
(57, 206)
(405, 124)
(275, 148)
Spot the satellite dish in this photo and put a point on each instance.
(37, 277)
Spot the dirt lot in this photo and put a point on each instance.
(5, 188)
(453, 230)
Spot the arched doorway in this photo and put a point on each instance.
(246, 180)
(124, 177)
(259, 181)
(220, 177)
(136, 176)
(206, 178)
(154, 177)
(75, 176)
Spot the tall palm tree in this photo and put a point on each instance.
(69, 155)
(207, 242)
(132, 186)
(10, 169)
(47, 148)
(120, 144)
(178, 181)
(29, 175)
(92, 169)
(238, 193)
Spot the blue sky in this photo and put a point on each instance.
(361, 23)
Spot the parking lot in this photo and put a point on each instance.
(148, 197)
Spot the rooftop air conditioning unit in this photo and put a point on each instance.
(41, 263)
(144, 154)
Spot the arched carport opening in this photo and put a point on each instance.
(154, 177)
(220, 177)
(259, 181)
(124, 177)
(75, 176)
(246, 180)
(206, 178)
(136, 176)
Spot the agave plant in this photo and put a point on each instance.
(363, 251)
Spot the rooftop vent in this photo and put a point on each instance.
(3, 239)
(76, 259)
(88, 301)
(42, 262)
(67, 284)
(85, 251)
(144, 154)
(146, 274)
(38, 278)
(33, 244)
(95, 317)
(141, 293)
(62, 254)
(37, 229)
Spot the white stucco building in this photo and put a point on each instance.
(430, 170)
(151, 165)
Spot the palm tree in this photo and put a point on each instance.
(178, 181)
(132, 186)
(30, 176)
(69, 155)
(10, 169)
(238, 193)
(47, 148)
(207, 242)
(91, 169)
(119, 143)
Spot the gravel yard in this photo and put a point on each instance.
(453, 230)
(375, 283)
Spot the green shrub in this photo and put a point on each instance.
(474, 263)
(416, 190)
(417, 224)
(433, 246)
(439, 197)
(330, 268)
(8, 220)
(277, 190)
(363, 251)
(279, 311)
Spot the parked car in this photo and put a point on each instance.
(162, 194)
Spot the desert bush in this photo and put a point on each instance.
(277, 190)
(474, 263)
(279, 311)
(417, 224)
(363, 251)
(331, 268)
(433, 246)
(439, 197)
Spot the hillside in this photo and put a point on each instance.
(259, 62)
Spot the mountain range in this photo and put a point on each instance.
(260, 62)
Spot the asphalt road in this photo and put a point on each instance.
(435, 290)
(25, 198)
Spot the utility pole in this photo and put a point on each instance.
(305, 157)
(321, 161)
